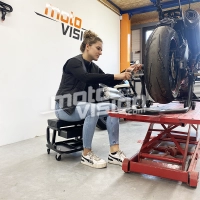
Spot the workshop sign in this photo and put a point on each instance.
(71, 24)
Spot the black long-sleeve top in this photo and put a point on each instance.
(77, 77)
(74, 66)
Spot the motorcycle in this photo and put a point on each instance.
(172, 62)
(172, 56)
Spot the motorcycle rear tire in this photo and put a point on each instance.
(158, 65)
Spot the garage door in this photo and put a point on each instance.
(135, 46)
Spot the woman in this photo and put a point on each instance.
(77, 99)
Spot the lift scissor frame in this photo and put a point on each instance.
(171, 153)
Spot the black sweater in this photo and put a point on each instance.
(78, 75)
(74, 66)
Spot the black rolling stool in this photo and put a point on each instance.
(72, 131)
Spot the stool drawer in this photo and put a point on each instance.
(71, 132)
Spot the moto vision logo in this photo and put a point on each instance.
(71, 25)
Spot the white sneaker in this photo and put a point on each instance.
(117, 158)
(93, 160)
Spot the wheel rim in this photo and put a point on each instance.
(174, 79)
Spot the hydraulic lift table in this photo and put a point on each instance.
(169, 153)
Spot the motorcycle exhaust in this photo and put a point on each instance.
(192, 31)
(196, 74)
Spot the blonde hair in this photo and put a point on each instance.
(90, 38)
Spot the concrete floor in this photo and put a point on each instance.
(28, 172)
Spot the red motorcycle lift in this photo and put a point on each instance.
(171, 154)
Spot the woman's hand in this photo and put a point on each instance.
(134, 68)
(122, 76)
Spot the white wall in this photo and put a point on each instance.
(33, 51)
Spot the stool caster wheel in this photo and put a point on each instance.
(48, 151)
(58, 157)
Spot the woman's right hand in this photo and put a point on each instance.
(122, 76)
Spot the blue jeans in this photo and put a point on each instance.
(91, 112)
